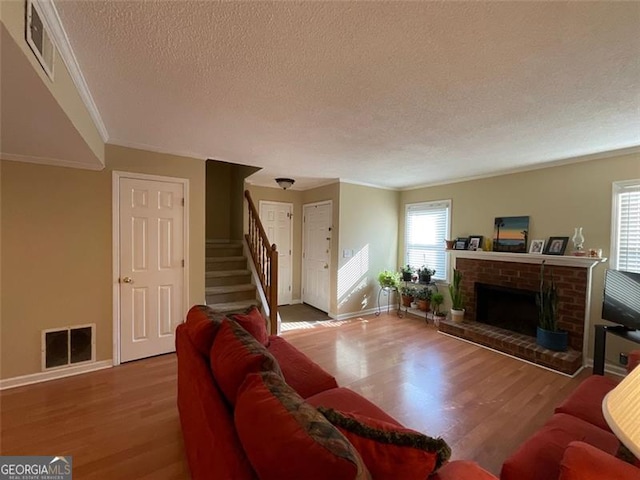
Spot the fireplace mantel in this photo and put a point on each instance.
(536, 258)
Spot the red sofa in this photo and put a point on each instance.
(215, 435)
(575, 443)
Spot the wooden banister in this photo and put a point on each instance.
(265, 259)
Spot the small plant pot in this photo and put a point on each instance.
(425, 279)
(457, 316)
(556, 341)
(449, 244)
(423, 305)
(406, 301)
(406, 276)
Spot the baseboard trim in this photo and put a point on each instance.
(359, 313)
(609, 368)
(39, 377)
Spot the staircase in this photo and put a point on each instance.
(228, 286)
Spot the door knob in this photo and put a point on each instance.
(127, 280)
(326, 266)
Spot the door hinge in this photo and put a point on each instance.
(289, 287)
(183, 202)
(289, 252)
(182, 263)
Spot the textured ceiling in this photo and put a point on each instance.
(392, 94)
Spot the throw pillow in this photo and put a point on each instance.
(285, 438)
(234, 355)
(202, 325)
(254, 323)
(389, 451)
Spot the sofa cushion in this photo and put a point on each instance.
(202, 325)
(539, 457)
(254, 323)
(300, 372)
(586, 401)
(390, 451)
(211, 442)
(286, 438)
(348, 401)
(234, 355)
(584, 462)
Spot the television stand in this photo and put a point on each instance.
(600, 343)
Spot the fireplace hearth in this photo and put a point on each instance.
(506, 307)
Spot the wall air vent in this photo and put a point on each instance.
(39, 39)
(63, 347)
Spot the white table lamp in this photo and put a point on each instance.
(621, 409)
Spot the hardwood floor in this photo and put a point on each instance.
(122, 423)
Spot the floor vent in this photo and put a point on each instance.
(39, 39)
(63, 347)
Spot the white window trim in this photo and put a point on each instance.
(617, 188)
(447, 258)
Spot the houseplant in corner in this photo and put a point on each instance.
(407, 273)
(457, 302)
(425, 273)
(423, 298)
(437, 299)
(389, 279)
(548, 334)
(408, 293)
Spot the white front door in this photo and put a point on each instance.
(277, 218)
(151, 265)
(316, 255)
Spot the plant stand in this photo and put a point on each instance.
(388, 291)
(425, 285)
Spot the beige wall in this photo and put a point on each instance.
(557, 199)
(218, 192)
(369, 229)
(56, 238)
(62, 88)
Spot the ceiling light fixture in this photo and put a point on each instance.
(285, 182)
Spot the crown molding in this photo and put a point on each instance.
(59, 36)
(54, 162)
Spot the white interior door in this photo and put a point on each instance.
(277, 219)
(316, 255)
(151, 275)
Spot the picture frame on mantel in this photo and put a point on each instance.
(537, 246)
(475, 242)
(556, 246)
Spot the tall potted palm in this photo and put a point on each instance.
(457, 300)
(548, 334)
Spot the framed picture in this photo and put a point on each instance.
(510, 234)
(556, 246)
(475, 242)
(461, 244)
(537, 246)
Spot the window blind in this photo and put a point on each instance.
(627, 227)
(426, 227)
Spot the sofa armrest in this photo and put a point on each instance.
(582, 461)
(462, 470)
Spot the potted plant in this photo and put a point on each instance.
(548, 334)
(389, 279)
(407, 273)
(408, 293)
(437, 299)
(457, 301)
(423, 297)
(425, 273)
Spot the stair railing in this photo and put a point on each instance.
(265, 259)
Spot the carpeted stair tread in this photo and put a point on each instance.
(226, 273)
(229, 289)
(233, 306)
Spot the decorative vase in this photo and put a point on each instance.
(557, 341)
(457, 316)
(578, 240)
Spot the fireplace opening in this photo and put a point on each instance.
(509, 308)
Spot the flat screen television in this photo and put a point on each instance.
(621, 303)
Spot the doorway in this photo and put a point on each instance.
(316, 254)
(150, 263)
(277, 219)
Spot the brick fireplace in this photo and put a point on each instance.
(520, 273)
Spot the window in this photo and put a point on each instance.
(625, 243)
(426, 227)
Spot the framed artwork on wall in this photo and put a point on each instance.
(510, 234)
